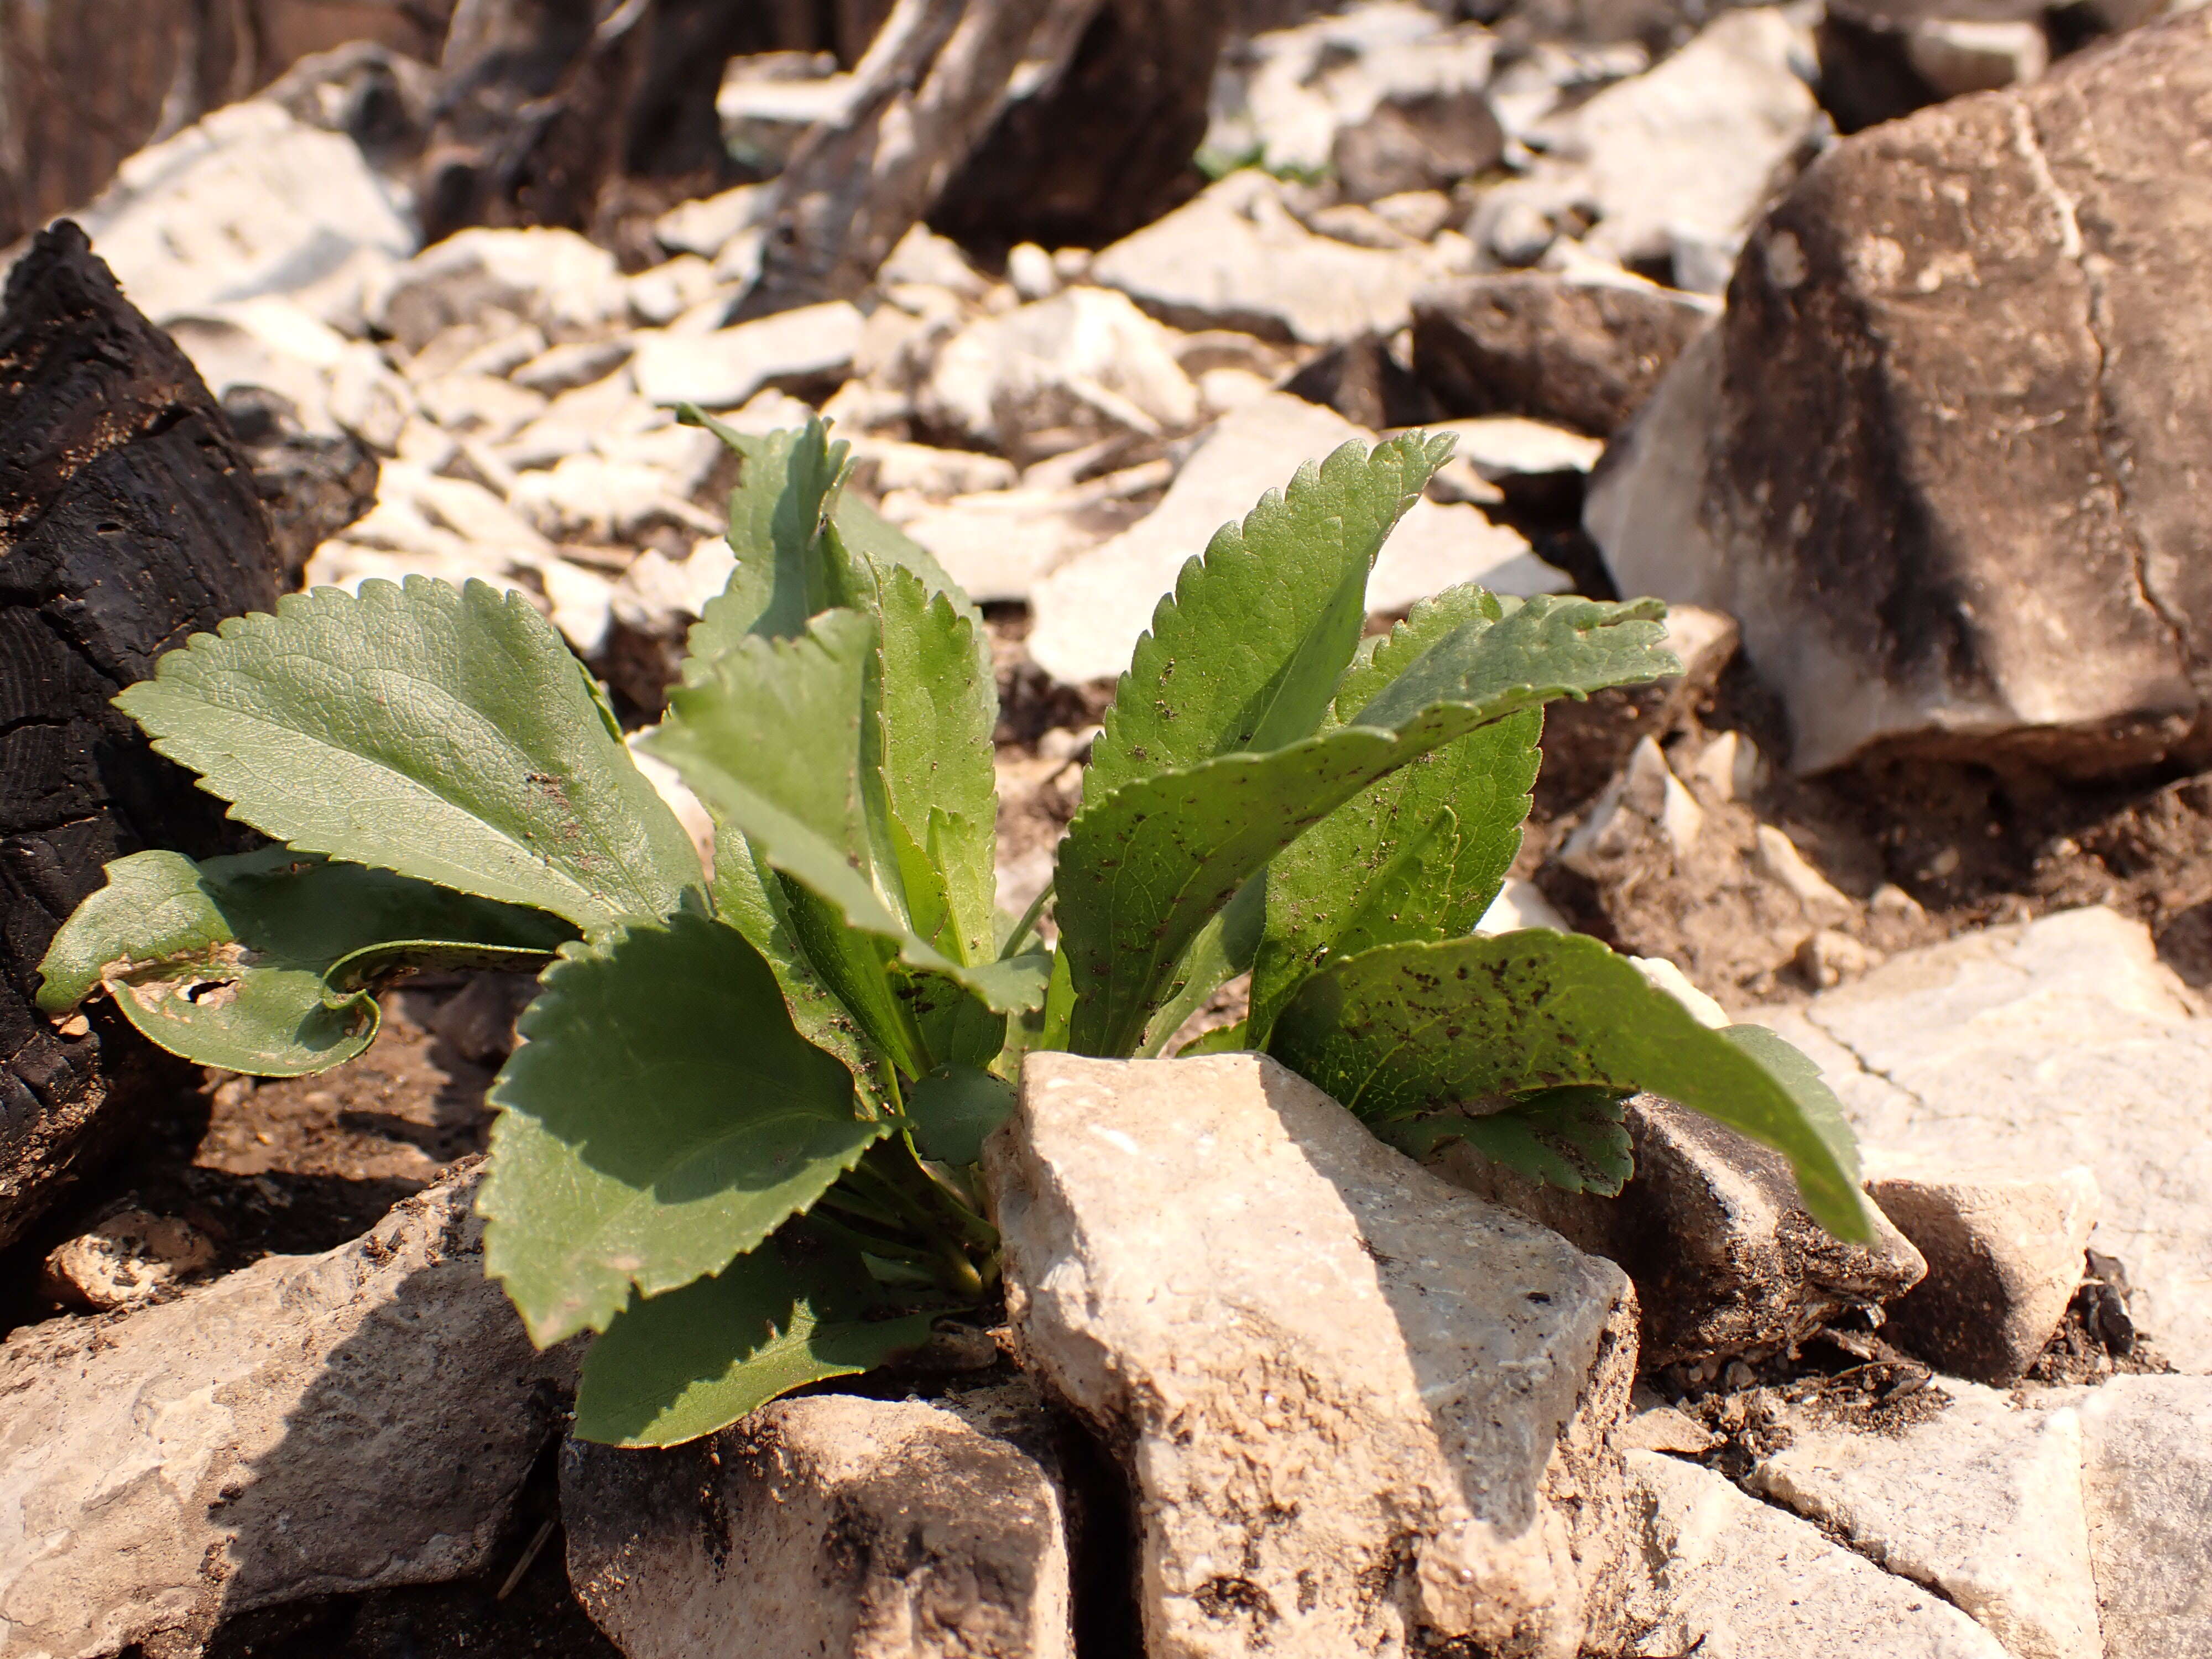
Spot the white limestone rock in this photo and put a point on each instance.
(724, 369)
(1730, 1577)
(1982, 1502)
(2035, 1047)
(859, 1529)
(2147, 1473)
(1363, 1410)
(308, 1426)
(568, 287)
(1091, 610)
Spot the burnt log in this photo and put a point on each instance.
(129, 520)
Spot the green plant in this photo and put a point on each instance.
(740, 1137)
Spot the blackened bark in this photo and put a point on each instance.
(129, 520)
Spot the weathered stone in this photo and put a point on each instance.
(1236, 258)
(248, 202)
(1000, 544)
(1091, 609)
(1585, 355)
(1995, 544)
(847, 1527)
(589, 498)
(1646, 798)
(1419, 140)
(1711, 1230)
(243, 1446)
(1959, 55)
(1087, 359)
(723, 369)
(576, 363)
(553, 278)
(1981, 1502)
(128, 1258)
(2003, 1253)
(2034, 1047)
(1676, 163)
(1364, 1413)
(1730, 1577)
(2147, 1477)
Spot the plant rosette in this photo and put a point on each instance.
(740, 1137)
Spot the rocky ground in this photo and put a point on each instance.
(1904, 425)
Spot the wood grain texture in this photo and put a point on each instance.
(129, 520)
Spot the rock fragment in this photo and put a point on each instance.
(129, 1258)
(1981, 1501)
(832, 1525)
(2147, 1477)
(1365, 1414)
(1724, 1258)
(1730, 1577)
(2004, 1254)
(2034, 1047)
(239, 1447)
(724, 369)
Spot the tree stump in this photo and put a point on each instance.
(129, 520)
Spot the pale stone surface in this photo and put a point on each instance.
(835, 1526)
(1983, 1502)
(1751, 1581)
(1091, 610)
(1362, 1409)
(126, 1259)
(1644, 797)
(1513, 446)
(567, 286)
(2031, 1048)
(1086, 358)
(242, 1446)
(247, 202)
(1234, 256)
(2147, 1473)
(2004, 1254)
(724, 369)
(1001, 543)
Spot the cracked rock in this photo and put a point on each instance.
(1364, 1412)
(1984, 311)
(2004, 1255)
(845, 1528)
(240, 1447)
(1983, 1502)
(1726, 1576)
(1710, 1228)
(2028, 1049)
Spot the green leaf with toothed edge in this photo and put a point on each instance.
(264, 962)
(1143, 871)
(1419, 855)
(660, 1117)
(1247, 652)
(772, 739)
(445, 733)
(693, 1360)
(1473, 1025)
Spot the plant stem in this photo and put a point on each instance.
(1027, 924)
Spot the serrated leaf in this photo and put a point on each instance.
(1144, 870)
(1384, 867)
(953, 1109)
(1221, 1040)
(260, 963)
(1576, 1140)
(786, 488)
(774, 739)
(1247, 652)
(938, 709)
(693, 1360)
(1471, 1023)
(660, 1117)
(445, 733)
(1222, 951)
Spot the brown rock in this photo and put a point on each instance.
(1584, 355)
(131, 1257)
(1943, 457)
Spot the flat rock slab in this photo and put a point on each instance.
(1748, 1581)
(2028, 1049)
(1983, 1502)
(306, 1426)
(830, 1526)
(2147, 1473)
(1364, 1411)
(1092, 609)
